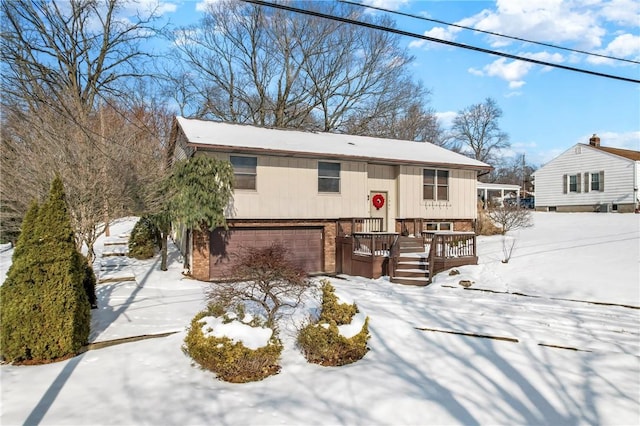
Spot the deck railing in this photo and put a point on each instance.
(373, 244)
(360, 225)
(448, 249)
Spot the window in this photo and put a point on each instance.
(328, 177)
(244, 172)
(438, 226)
(595, 182)
(435, 184)
(573, 183)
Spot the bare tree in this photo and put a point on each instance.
(64, 65)
(265, 278)
(477, 132)
(249, 64)
(510, 217)
(104, 179)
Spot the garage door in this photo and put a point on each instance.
(304, 246)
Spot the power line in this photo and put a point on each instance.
(437, 40)
(489, 32)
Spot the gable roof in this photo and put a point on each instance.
(626, 153)
(219, 136)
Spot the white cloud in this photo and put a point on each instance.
(446, 118)
(203, 6)
(387, 4)
(623, 46)
(626, 140)
(510, 71)
(514, 71)
(622, 12)
(145, 7)
(543, 20)
(440, 33)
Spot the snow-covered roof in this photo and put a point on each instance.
(244, 138)
(498, 186)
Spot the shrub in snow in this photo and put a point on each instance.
(143, 239)
(266, 279)
(232, 345)
(509, 217)
(484, 224)
(45, 310)
(336, 338)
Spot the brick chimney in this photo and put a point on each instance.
(594, 140)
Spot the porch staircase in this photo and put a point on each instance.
(412, 266)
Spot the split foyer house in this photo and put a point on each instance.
(311, 192)
(588, 178)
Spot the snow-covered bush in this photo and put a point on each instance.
(232, 345)
(143, 239)
(340, 334)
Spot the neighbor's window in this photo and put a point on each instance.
(435, 184)
(328, 177)
(596, 184)
(244, 172)
(573, 183)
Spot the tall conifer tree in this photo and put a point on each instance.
(48, 311)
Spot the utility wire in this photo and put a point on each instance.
(437, 40)
(489, 32)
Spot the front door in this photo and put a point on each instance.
(378, 204)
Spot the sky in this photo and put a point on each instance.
(545, 110)
(550, 357)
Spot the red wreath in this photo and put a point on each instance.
(378, 201)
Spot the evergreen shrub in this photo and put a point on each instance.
(230, 361)
(143, 239)
(321, 341)
(45, 311)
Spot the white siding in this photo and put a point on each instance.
(581, 159)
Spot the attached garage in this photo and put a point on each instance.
(305, 246)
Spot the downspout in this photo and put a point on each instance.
(636, 201)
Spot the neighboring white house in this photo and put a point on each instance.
(587, 178)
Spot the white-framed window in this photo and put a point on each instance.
(571, 183)
(435, 184)
(597, 181)
(438, 226)
(328, 177)
(244, 172)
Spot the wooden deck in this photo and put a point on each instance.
(406, 260)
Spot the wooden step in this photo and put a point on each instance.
(411, 281)
(412, 273)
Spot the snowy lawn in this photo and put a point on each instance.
(551, 356)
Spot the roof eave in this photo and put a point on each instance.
(247, 150)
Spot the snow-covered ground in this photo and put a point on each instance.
(562, 347)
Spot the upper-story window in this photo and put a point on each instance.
(244, 172)
(328, 177)
(435, 184)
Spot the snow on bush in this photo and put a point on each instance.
(232, 346)
(340, 334)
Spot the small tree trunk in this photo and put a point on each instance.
(163, 251)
